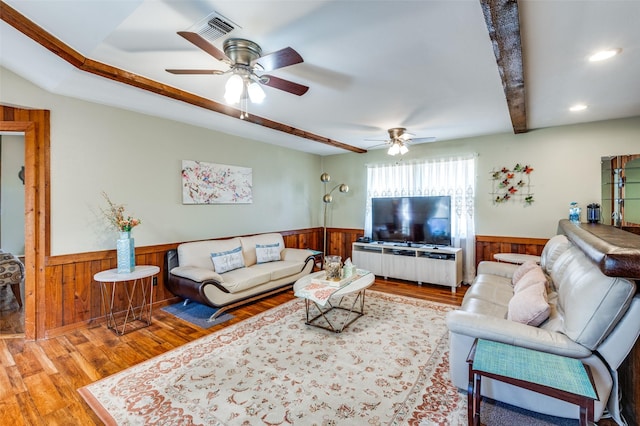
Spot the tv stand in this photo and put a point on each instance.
(423, 264)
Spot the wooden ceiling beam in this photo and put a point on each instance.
(503, 24)
(65, 52)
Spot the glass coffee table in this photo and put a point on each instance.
(324, 300)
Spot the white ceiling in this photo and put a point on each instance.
(425, 65)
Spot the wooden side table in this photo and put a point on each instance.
(110, 279)
(557, 376)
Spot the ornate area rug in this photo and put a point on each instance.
(389, 367)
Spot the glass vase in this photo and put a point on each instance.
(125, 251)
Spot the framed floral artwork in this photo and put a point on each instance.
(209, 183)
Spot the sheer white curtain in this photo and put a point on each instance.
(453, 176)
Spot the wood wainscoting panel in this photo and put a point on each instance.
(340, 241)
(487, 246)
(304, 238)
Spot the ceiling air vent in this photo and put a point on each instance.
(214, 26)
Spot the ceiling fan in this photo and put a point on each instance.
(246, 65)
(398, 140)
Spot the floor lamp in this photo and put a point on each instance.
(327, 199)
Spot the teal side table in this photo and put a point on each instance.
(560, 377)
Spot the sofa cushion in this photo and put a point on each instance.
(590, 303)
(229, 260)
(484, 307)
(552, 250)
(268, 252)
(198, 253)
(529, 305)
(278, 270)
(249, 245)
(244, 278)
(491, 288)
(522, 270)
(534, 277)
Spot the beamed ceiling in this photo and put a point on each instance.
(443, 69)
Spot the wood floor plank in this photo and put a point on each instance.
(44, 393)
(28, 410)
(87, 367)
(6, 387)
(10, 409)
(6, 359)
(43, 359)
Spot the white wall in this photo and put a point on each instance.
(136, 160)
(566, 162)
(12, 195)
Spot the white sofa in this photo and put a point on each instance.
(246, 269)
(592, 317)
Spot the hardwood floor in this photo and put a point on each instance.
(39, 380)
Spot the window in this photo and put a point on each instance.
(453, 176)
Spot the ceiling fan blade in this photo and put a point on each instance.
(214, 72)
(203, 44)
(286, 85)
(279, 59)
(422, 140)
(380, 145)
(406, 136)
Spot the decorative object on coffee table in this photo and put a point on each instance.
(327, 199)
(333, 266)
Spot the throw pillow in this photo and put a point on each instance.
(267, 252)
(530, 306)
(534, 276)
(521, 270)
(226, 261)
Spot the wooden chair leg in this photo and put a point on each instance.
(16, 292)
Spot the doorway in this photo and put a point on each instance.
(12, 234)
(35, 125)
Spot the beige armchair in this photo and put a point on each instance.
(11, 273)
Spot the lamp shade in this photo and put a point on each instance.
(233, 89)
(256, 94)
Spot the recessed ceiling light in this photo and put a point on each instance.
(578, 107)
(604, 54)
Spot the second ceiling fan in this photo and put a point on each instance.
(246, 66)
(399, 138)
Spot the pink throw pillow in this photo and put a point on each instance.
(521, 270)
(530, 306)
(534, 276)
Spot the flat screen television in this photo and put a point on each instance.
(419, 220)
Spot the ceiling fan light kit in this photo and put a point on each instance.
(397, 147)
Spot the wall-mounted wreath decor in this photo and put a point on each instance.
(512, 185)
